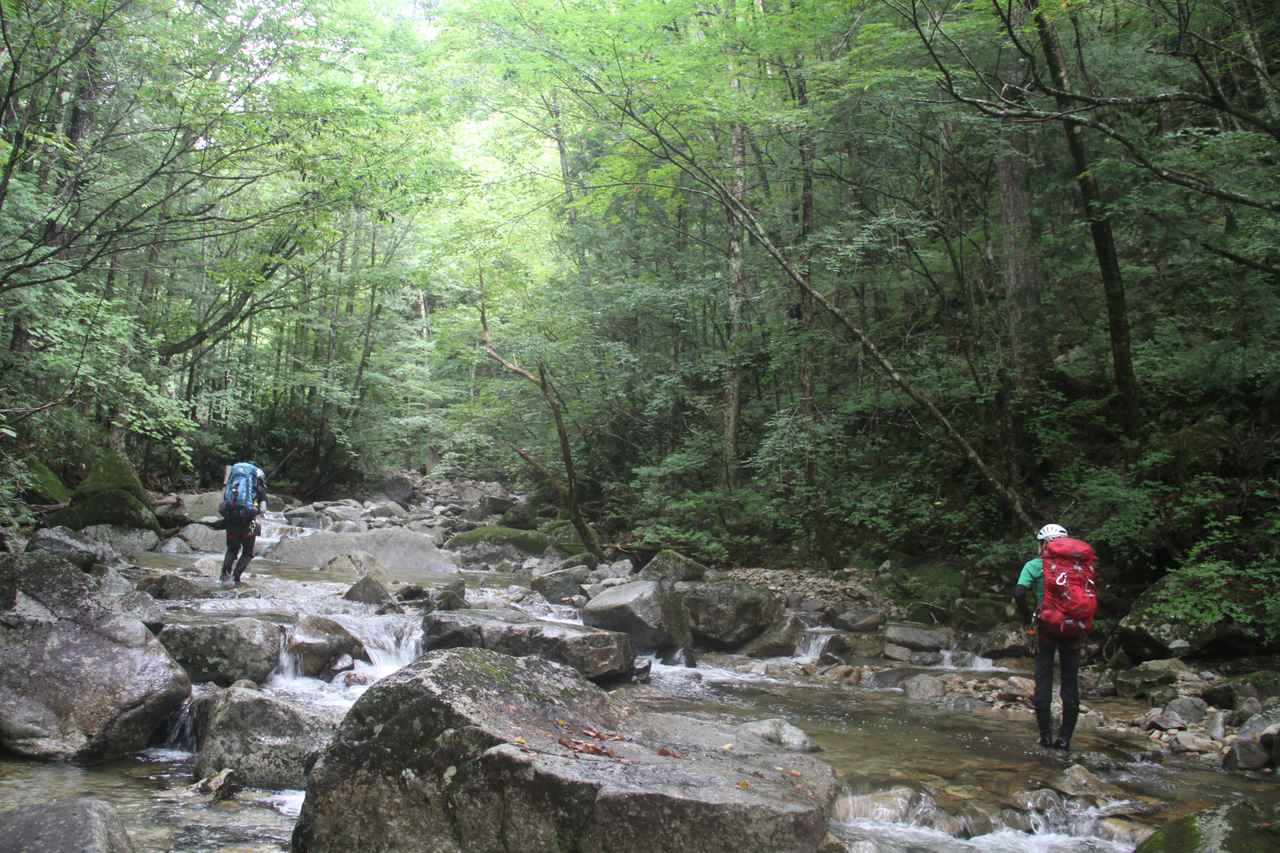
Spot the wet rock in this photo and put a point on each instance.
(1079, 781)
(1191, 742)
(76, 679)
(1146, 633)
(1148, 677)
(856, 645)
(1238, 827)
(451, 596)
(1247, 708)
(473, 750)
(308, 518)
(961, 704)
(1162, 719)
(618, 569)
(70, 546)
(175, 545)
(1002, 641)
(892, 806)
(357, 563)
(1124, 831)
(893, 651)
(779, 639)
(1041, 800)
(918, 637)
(781, 733)
(1215, 725)
(266, 741)
(223, 652)
(203, 538)
(386, 509)
(219, 787)
(1261, 721)
(396, 486)
(649, 612)
(79, 825)
(1247, 753)
(560, 584)
(169, 587)
(368, 590)
(726, 614)
(859, 620)
(979, 614)
(497, 546)
(1189, 708)
(318, 642)
(923, 687)
(123, 540)
(140, 606)
(673, 566)
(403, 553)
(597, 654)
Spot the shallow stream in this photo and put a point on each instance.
(961, 770)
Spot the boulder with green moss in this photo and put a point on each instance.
(1240, 828)
(112, 506)
(497, 545)
(111, 472)
(45, 486)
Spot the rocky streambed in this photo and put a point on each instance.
(392, 678)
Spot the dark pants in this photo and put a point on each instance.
(240, 539)
(1068, 652)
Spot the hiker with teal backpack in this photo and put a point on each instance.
(243, 499)
(1065, 585)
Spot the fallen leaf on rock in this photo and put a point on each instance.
(669, 753)
(519, 739)
(744, 785)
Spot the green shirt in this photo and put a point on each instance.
(1032, 577)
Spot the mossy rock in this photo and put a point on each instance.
(46, 486)
(1239, 828)
(112, 472)
(111, 506)
(564, 537)
(528, 541)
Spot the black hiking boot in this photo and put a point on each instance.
(1045, 741)
(1062, 744)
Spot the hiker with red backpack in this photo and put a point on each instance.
(244, 498)
(1065, 584)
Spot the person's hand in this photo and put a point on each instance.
(1031, 631)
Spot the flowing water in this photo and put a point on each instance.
(916, 775)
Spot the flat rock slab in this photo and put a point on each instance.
(64, 826)
(471, 750)
(405, 555)
(593, 652)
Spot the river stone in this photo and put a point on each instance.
(918, 637)
(1261, 721)
(267, 741)
(894, 805)
(386, 509)
(560, 584)
(649, 612)
(71, 546)
(124, 540)
(1191, 742)
(80, 825)
(859, 620)
(1247, 753)
(893, 651)
(356, 564)
(1189, 708)
(595, 653)
(778, 640)
(1079, 781)
(726, 614)
(673, 566)
(225, 651)
(175, 545)
(76, 679)
(452, 595)
(318, 641)
(308, 517)
(921, 687)
(779, 732)
(368, 590)
(397, 487)
(471, 750)
(1238, 828)
(1002, 641)
(1147, 677)
(140, 606)
(170, 587)
(405, 554)
(204, 539)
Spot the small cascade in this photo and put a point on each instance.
(968, 661)
(813, 642)
(181, 736)
(287, 662)
(391, 641)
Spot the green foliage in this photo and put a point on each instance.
(44, 484)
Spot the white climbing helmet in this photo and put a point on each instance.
(1051, 531)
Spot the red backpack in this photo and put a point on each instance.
(1070, 588)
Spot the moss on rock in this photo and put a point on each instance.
(529, 541)
(46, 486)
(108, 506)
(112, 472)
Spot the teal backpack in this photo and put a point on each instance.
(238, 496)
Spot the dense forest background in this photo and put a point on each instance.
(799, 282)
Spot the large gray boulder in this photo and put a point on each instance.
(77, 680)
(405, 555)
(80, 825)
(268, 741)
(71, 546)
(123, 540)
(224, 652)
(673, 566)
(203, 538)
(561, 583)
(595, 653)
(726, 614)
(470, 750)
(781, 639)
(649, 612)
(318, 641)
(1149, 676)
(918, 637)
